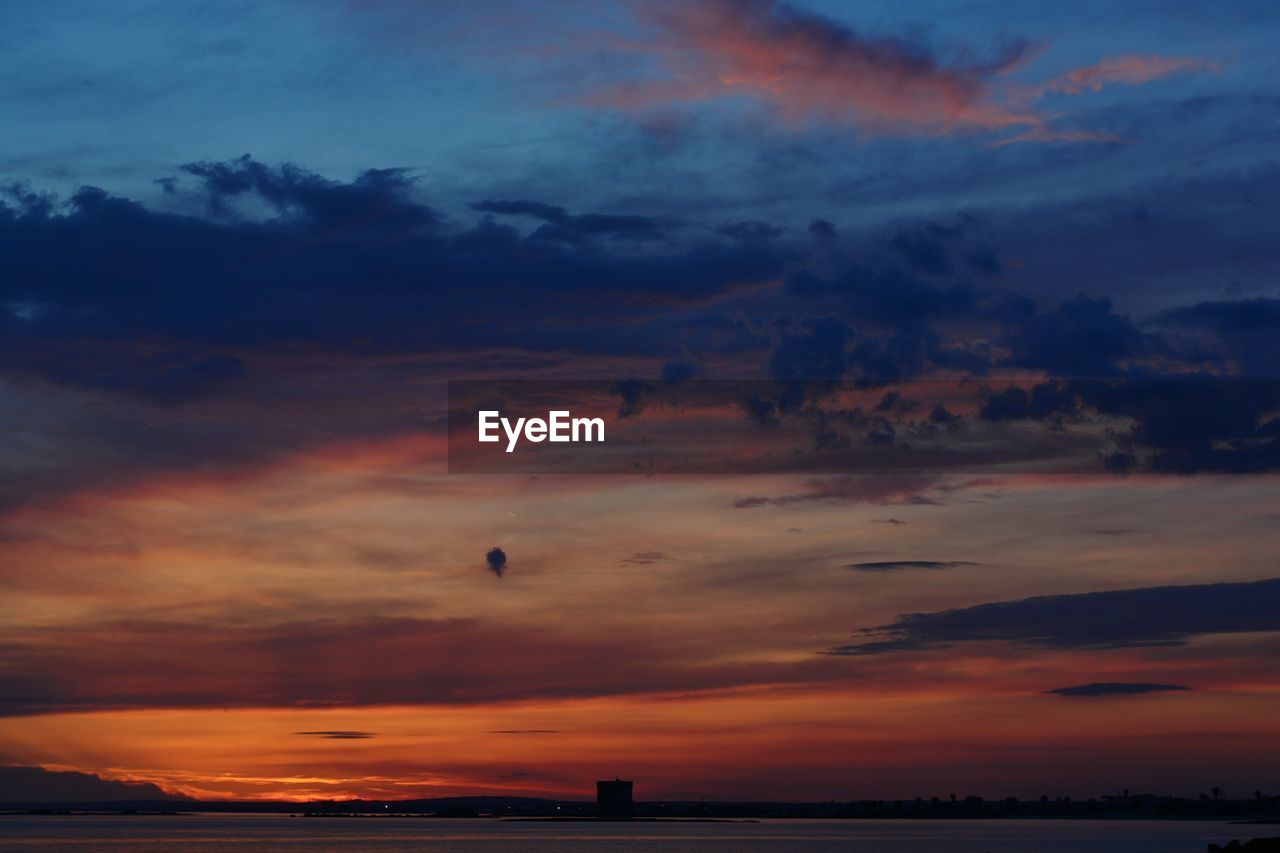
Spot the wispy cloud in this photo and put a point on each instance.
(806, 67)
(898, 565)
(1115, 688)
(1130, 69)
(907, 489)
(524, 731)
(645, 558)
(1150, 616)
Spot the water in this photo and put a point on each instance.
(242, 833)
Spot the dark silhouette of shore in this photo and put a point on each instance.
(1258, 808)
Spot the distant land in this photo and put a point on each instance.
(1256, 809)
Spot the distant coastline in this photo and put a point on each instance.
(1254, 810)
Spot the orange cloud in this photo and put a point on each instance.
(772, 743)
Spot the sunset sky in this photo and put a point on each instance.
(246, 246)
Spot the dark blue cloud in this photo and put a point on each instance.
(38, 785)
(1083, 337)
(246, 261)
(1115, 688)
(1242, 333)
(1181, 426)
(575, 227)
(750, 231)
(899, 565)
(360, 266)
(925, 247)
(1150, 616)
(278, 256)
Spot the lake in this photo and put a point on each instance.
(233, 832)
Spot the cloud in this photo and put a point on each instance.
(750, 231)
(1083, 337)
(1115, 688)
(139, 341)
(339, 735)
(227, 280)
(1131, 69)
(917, 490)
(571, 229)
(496, 560)
(1150, 616)
(223, 308)
(1245, 331)
(898, 565)
(1043, 133)
(807, 66)
(38, 785)
(1176, 425)
(1235, 316)
(924, 247)
(325, 663)
(645, 558)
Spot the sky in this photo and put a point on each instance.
(247, 245)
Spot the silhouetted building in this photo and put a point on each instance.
(613, 800)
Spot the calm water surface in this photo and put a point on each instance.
(240, 833)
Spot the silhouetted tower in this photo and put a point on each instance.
(613, 800)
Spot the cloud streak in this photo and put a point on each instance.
(1150, 616)
(899, 565)
(37, 784)
(1115, 688)
(325, 663)
(1130, 69)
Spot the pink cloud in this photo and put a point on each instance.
(805, 66)
(1044, 133)
(1132, 69)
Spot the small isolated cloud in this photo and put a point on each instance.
(496, 560)
(339, 734)
(1115, 688)
(897, 565)
(887, 521)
